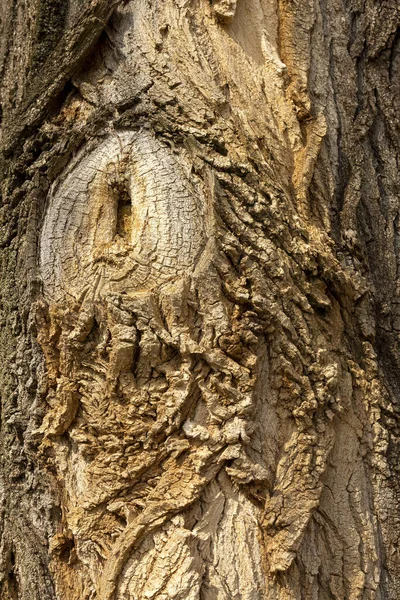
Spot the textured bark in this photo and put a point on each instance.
(200, 304)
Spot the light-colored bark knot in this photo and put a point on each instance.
(125, 215)
(225, 9)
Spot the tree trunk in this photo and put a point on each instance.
(200, 309)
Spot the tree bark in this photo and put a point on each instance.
(200, 306)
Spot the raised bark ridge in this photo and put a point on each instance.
(209, 407)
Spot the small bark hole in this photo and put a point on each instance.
(122, 205)
(124, 214)
(10, 591)
(65, 554)
(65, 549)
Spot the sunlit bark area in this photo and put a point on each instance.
(199, 300)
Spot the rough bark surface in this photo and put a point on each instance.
(200, 310)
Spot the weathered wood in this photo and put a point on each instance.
(199, 314)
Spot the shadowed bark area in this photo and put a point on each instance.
(199, 308)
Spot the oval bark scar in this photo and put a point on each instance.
(127, 211)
